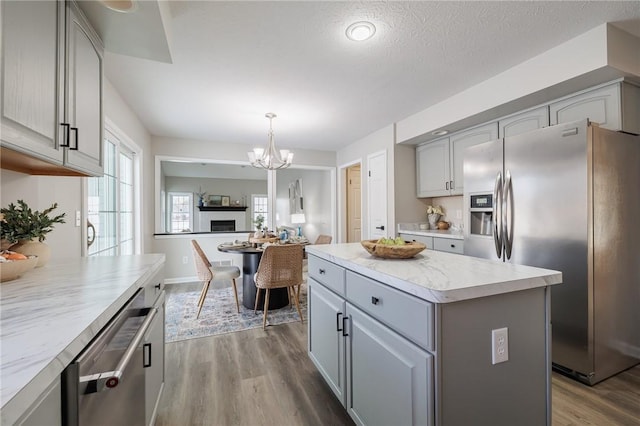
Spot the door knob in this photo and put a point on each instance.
(380, 227)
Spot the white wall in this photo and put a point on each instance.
(316, 192)
(408, 208)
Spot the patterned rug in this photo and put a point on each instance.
(219, 313)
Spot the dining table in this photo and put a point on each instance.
(251, 255)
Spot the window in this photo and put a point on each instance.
(259, 207)
(111, 202)
(180, 211)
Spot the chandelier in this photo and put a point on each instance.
(270, 158)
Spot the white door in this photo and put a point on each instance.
(377, 194)
(354, 210)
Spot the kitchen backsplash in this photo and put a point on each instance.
(451, 206)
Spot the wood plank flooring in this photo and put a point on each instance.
(257, 377)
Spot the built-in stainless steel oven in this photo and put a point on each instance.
(105, 384)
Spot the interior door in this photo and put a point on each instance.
(354, 205)
(377, 194)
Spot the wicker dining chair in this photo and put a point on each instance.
(206, 274)
(279, 267)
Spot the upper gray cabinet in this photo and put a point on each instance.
(32, 77)
(614, 107)
(52, 98)
(523, 122)
(439, 164)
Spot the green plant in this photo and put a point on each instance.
(22, 223)
(259, 221)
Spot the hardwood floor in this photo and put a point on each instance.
(257, 377)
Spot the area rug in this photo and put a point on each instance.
(219, 313)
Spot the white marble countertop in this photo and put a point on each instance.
(50, 314)
(414, 229)
(438, 277)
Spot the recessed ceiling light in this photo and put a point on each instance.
(439, 132)
(360, 31)
(124, 6)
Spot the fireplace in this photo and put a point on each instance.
(223, 225)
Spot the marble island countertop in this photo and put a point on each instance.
(438, 277)
(50, 314)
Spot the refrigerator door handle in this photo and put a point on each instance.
(507, 211)
(497, 219)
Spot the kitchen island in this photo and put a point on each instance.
(51, 313)
(440, 339)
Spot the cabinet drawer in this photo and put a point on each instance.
(448, 245)
(153, 287)
(408, 315)
(427, 241)
(326, 273)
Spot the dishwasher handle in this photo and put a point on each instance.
(109, 379)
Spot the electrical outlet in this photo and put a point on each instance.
(499, 345)
(78, 218)
(185, 259)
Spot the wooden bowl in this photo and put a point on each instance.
(13, 269)
(387, 251)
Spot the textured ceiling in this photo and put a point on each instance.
(235, 61)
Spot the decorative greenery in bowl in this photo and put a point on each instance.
(22, 223)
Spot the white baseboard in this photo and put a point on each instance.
(181, 280)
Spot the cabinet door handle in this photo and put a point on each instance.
(75, 148)
(65, 137)
(146, 355)
(338, 315)
(446, 185)
(321, 271)
(450, 184)
(375, 300)
(344, 327)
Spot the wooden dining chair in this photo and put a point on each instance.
(207, 273)
(280, 266)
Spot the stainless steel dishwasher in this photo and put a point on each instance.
(105, 384)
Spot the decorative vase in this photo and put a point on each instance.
(433, 219)
(258, 234)
(33, 247)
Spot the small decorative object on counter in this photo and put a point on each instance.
(434, 213)
(259, 221)
(442, 225)
(201, 196)
(26, 229)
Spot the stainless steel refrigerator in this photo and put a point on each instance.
(566, 197)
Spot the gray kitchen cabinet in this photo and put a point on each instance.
(154, 358)
(52, 98)
(614, 107)
(523, 122)
(32, 77)
(325, 340)
(390, 380)
(432, 168)
(439, 164)
(47, 409)
(362, 353)
(459, 142)
(84, 95)
(427, 241)
(450, 245)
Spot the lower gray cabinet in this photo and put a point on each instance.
(389, 379)
(379, 376)
(154, 362)
(325, 337)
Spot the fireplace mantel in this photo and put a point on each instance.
(222, 208)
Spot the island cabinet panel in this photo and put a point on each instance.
(385, 303)
(47, 410)
(325, 339)
(327, 274)
(390, 380)
(154, 367)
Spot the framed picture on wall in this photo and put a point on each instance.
(226, 200)
(215, 200)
